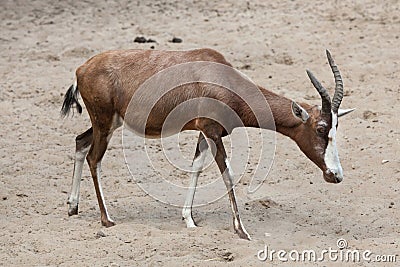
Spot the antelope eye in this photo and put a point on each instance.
(321, 129)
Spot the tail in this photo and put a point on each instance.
(71, 98)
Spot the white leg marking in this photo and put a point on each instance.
(331, 154)
(76, 180)
(187, 208)
(236, 221)
(98, 171)
(229, 169)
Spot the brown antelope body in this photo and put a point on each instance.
(108, 81)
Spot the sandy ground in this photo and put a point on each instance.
(273, 42)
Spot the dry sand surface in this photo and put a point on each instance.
(273, 42)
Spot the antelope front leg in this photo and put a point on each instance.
(227, 174)
(197, 166)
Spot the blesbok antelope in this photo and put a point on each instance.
(108, 81)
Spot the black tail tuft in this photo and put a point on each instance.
(71, 97)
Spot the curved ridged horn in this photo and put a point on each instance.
(338, 96)
(326, 100)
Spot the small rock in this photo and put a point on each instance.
(100, 234)
(245, 67)
(176, 40)
(368, 114)
(385, 161)
(140, 40)
(227, 256)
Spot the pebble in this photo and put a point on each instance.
(100, 234)
(176, 40)
(142, 40)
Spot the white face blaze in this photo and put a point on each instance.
(331, 158)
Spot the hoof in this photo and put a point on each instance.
(190, 223)
(243, 234)
(73, 210)
(107, 223)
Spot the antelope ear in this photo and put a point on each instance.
(342, 112)
(299, 112)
